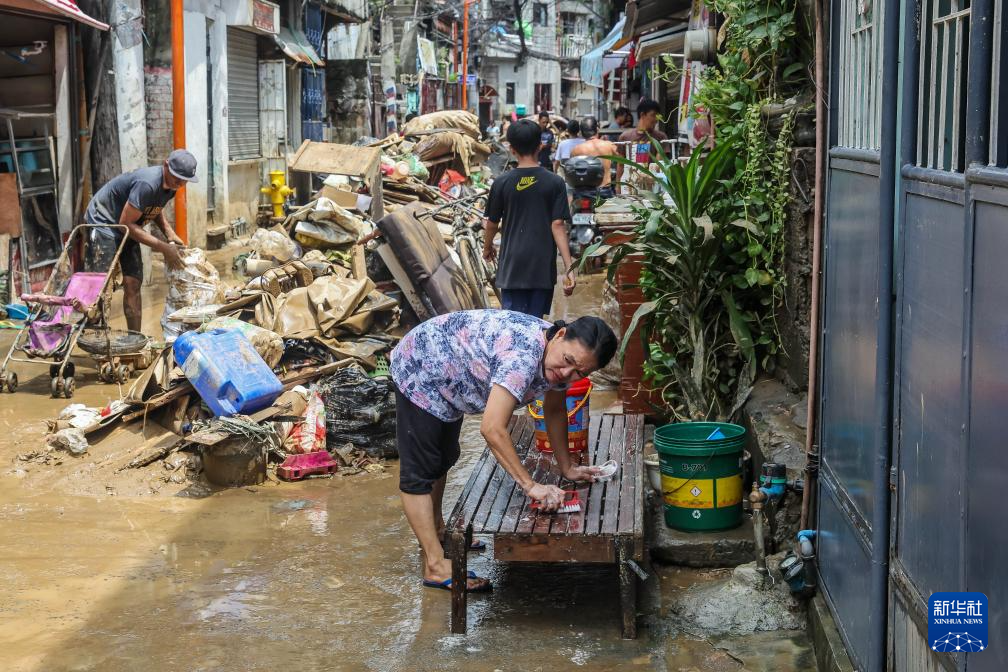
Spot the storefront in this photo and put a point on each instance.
(43, 111)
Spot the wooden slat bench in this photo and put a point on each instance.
(609, 528)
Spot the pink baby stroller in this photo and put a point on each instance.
(70, 301)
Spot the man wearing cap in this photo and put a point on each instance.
(134, 200)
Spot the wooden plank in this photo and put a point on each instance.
(638, 524)
(629, 492)
(10, 214)
(330, 157)
(518, 501)
(593, 512)
(459, 552)
(462, 514)
(508, 486)
(610, 504)
(544, 521)
(554, 548)
(575, 521)
(540, 474)
(467, 505)
(500, 481)
(627, 587)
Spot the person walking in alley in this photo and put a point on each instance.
(563, 151)
(596, 146)
(489, 362)
(135, 199)
(640, 142)
(622, 119)
(529, 205)
(547, 138)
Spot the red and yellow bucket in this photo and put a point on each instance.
(577, 419)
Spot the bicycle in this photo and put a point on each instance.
(467, 234)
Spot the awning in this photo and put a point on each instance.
(668, 41)
(645, 15)
(352, 11)
(295, 45)
(67, 8)
(592, 65)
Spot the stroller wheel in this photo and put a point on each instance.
(56, 387)
(105, 373)
(122, 373)
(68, 387)
(10, 381)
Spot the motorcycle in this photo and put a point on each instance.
(583, 175)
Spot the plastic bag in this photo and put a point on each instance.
(268, 344)
(359, 410)
(275, 245)
(297, 399)
(71, 440)
(322, 235)
(194, 285)
(309, 435)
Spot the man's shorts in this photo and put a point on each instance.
(101, 249)
(428, 447)
(535, 302)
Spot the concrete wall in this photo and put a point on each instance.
(158, 98)
(127, 57)
(243, 179)
(236, 186)
(533, 71)
(347, 87)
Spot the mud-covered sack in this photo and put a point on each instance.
(274, 244)
(460, 120)
(267, 343)
(360, 410)
(194, 285)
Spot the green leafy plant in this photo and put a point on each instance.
(711, 241)
(697, 320)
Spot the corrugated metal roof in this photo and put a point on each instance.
(295, 45)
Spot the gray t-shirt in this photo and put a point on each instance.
(142, 188)
(528, 201)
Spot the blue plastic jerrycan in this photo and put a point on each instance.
(227, 371)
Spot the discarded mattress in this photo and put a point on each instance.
(420, 248)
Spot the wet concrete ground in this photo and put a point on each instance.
(318, 575)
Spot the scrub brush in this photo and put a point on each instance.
(572, 503)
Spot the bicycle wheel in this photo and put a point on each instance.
(470, 267)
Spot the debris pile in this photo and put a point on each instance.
(286, 371)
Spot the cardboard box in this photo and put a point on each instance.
(341, 197)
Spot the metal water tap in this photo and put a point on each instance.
(756, 498)
(278, 192)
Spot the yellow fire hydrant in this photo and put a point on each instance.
(278, 192)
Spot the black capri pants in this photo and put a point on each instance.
(428, 446)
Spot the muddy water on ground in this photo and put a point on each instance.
(325, 573)
(318, 575)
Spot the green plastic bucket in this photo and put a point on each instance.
(701, 477)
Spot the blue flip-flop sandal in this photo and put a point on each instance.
(447, 584)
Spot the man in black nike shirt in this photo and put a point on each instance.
(529, 206)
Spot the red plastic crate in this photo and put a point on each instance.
(298, 467)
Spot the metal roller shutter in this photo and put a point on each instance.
(243, 95)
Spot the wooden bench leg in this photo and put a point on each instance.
(627, 587)
(458, 545)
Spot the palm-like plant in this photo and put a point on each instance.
(700, 351)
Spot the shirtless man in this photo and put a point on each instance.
(596, 146)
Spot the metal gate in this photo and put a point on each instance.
(273, 116)
(916, 376)
(313, 104)
(243, 95)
